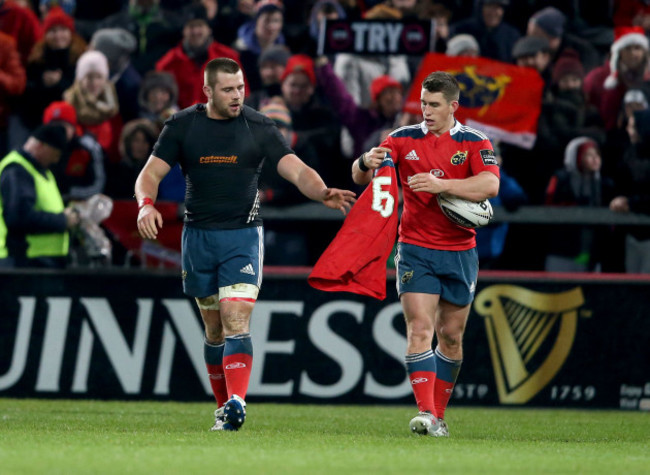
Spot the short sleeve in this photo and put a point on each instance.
(484, 159)
(273, 144)
(169, 144)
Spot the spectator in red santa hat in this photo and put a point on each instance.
(50, 69)
(627, 68)
(80, 174)
(579, 183)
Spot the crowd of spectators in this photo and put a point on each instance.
(113, 71)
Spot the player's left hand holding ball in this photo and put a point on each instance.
(339, 199)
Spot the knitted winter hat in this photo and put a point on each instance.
(460, 43)
(551, 20)
(380, 84)
(568, 63)
(115, 43)
(53, 135)
(278, 113)
(275, 54)
(57, 17)
(300, 63)
(161, 79)
(624, 36)
(91, 62)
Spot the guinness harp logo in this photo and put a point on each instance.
(530, 336)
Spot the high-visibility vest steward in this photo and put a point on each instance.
(48, 199)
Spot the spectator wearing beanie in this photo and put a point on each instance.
(158, 97)
(187, 61)
(463, 45)
(495, 37)
(255, 36)
(22, 24)
(80, 173)
(550, 23)
(94, 98)
(51, 67)
(271, 64)
(579, 183)
(118, 45)
(627, 68)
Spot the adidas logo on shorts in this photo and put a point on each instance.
(247, 269)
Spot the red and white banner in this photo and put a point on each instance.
(500, 99)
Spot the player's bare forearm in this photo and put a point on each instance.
(146, 191)
(475, 188)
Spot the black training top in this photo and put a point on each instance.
(222, 161)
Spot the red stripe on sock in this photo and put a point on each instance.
(236, 299)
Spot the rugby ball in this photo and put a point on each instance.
(465, 213)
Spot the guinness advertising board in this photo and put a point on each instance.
(531, 341)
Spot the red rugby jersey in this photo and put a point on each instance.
(459, 153)
(355, 261)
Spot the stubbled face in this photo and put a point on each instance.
(93, 83)
(437, 112)
(227, 96)
(58, 37)
(297, 90)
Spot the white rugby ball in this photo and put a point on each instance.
(465, 213)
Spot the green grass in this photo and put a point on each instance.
(71, 437)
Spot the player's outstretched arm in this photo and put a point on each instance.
(146, 191)
(310, 184)
(362, 168)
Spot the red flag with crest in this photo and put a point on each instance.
(500, 99)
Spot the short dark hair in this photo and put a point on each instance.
(224, 65)
(441, 81)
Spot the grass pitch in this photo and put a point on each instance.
(71, 437)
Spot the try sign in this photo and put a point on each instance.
(376, 37)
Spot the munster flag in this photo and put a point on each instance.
(500, 99)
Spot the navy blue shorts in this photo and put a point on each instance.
(450, 274)
(214, 258)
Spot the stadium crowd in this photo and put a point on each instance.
(114, 71)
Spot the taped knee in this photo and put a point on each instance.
(241, 292)
(208, 303)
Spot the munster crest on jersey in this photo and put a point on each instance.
(459, 158)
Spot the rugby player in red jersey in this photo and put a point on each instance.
(436, 260)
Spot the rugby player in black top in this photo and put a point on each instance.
(220, 147)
